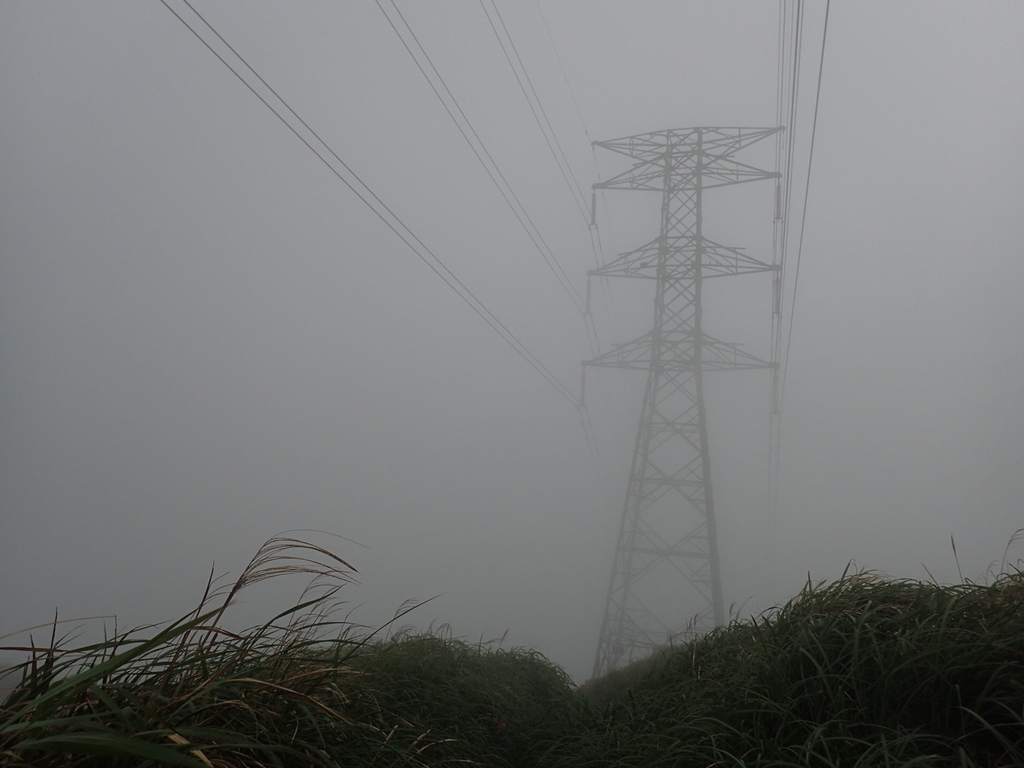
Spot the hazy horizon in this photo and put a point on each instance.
(206, 338)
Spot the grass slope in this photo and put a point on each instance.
(861, 672)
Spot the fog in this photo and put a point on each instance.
(206, 338)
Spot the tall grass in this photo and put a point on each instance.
(191, 693)
(300, 690)
(861, 672)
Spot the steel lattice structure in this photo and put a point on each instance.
(667, 551)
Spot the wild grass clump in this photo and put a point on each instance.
(487, 706)
(862, 672)
(301, 690)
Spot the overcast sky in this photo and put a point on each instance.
(206, 338)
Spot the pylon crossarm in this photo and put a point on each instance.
(685, 151)
(642, 176)
(679, 264)
(727, 172)
(723, 356)
(722, 261)
(648, 145)
(634, 354)
(678, 354)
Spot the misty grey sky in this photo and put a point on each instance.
(206, 339)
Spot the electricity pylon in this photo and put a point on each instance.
(665, 575)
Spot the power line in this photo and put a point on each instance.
(540, 104)
(549, 135)
(807, 188)
(517, 209)
(561, 66)
(506, 191)
(790, 43)
(379, 208)
(794, 93)
(789, 61)
(563, 164)
(567, 170)
(596, 246)
(786, 158)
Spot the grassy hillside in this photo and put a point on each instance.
(861, 672)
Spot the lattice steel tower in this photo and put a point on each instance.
(665, 575)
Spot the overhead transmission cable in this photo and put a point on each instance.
(509, 196)
(790, 44)
(548, 132)
(563, 166)
(795, 62)
(787, 92)
(561, 66)
(791, 32)
(481, 152)
(579, 113)
(369, 198)
(494, 172)
(807, 189)
(596, 246)
(788, 88)
(550, 138)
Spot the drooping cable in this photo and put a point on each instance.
(791, 60)
(369, 198)
(788, 63)
(786, 92)
(542, 121)
(595, 343)
(807, 189)
(561, 66)
(518, 209)
(495, 173)
(596, 244)
(550, 138)
(481, 152)
(540, 104)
